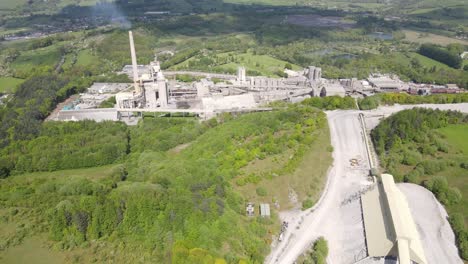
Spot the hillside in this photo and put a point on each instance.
(179, 195)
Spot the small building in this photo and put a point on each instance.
(264, 210)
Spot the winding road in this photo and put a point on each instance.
(337, 215)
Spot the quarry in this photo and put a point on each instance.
(365, 219)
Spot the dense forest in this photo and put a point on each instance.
(172, 196)
(413, 149)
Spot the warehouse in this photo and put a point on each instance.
(389, 227)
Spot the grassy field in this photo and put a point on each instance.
(9, 84)
(28, 60)
(456, 136)
(11, 4)
(85, 58)
(94, 173)
(32, 250)
(263, 64)
(5, 31)
(422, 37)
(306, 181)
(428, 62)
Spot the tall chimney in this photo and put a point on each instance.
(134, 63)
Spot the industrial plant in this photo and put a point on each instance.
(156, 91)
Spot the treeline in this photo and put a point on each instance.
(35, 99)
(331, 102)
(70, 145)
(372, 102)
(32, 102)
(411, 126)
(162, 134)
(412, 150)
(445, 56)
(461, 233)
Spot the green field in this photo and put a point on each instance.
(5, 31)
(423, 37)
(457, 136)
(32, 250)
(29, 60)
(11, 4)
(85, 58)
(9, 84)
(263, 64)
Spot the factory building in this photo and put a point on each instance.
(384, 84)
(389, 227)
(314, 74)
(150, 87)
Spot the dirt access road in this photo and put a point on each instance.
(339, 221)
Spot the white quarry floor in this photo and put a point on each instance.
(338, 221)
(430, 217)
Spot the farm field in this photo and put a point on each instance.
(11, 4)
(9, 84)
(28, 60)
(423, 37)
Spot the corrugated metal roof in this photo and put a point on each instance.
(264, 209)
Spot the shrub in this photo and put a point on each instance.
(454, 195)
(464, 165)
(261, 191)
(411, 157)
(458, 225)
(307, 203)
(321, 246)
(413, 177)
(431, 167)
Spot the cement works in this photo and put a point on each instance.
(215, 93)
